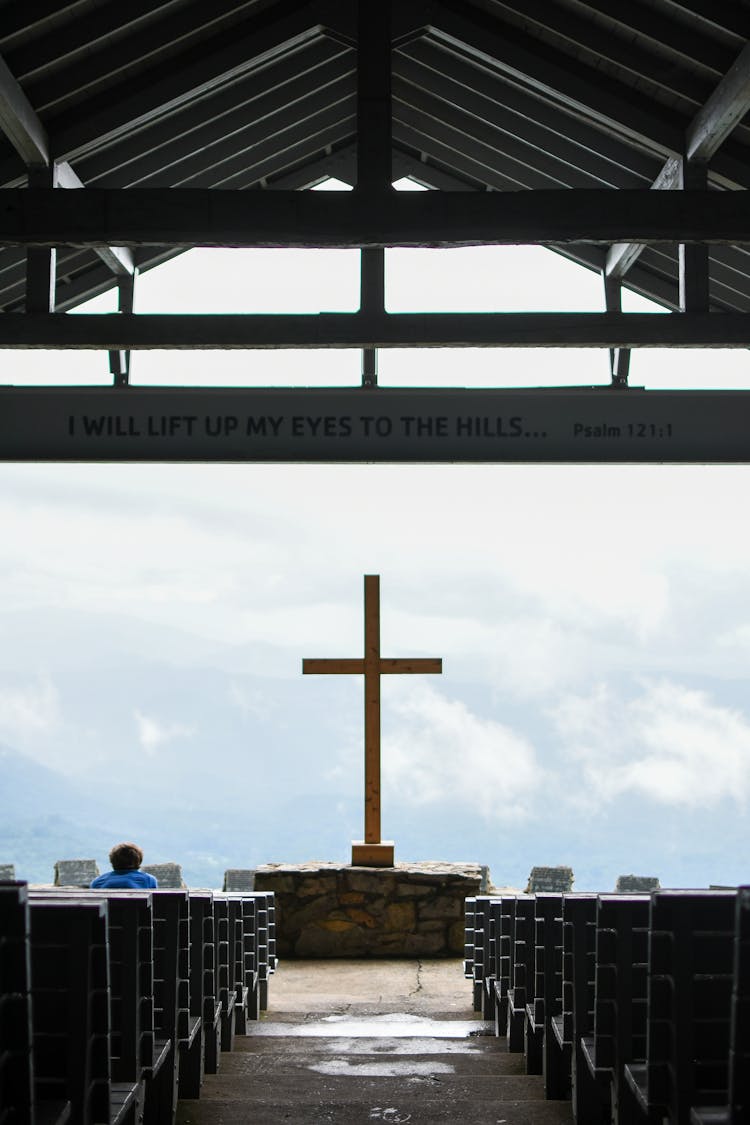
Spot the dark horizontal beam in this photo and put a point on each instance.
(121, 331)
(206, 217)
(575, 424)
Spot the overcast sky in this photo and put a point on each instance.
(594, 622)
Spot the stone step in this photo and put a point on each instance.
(412, 1107)
(360, 1043)
(347, 1082)
(377, 1060)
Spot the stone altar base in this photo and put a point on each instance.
(410, 910)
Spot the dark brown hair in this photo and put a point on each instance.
(124, 857)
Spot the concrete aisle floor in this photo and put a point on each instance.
(350, 1042)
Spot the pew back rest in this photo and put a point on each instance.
(171, 950)
(522, 951)
(70, 1001)
(691, 962)
(16, 1067)
(579, 965)
(621, 982)
(739, 1058)
(130, 942)
(548, 954)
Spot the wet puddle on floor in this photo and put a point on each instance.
(395, 1025)
(396, 1068)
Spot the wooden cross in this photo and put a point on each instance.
(372, 851)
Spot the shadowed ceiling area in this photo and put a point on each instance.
(487, 96)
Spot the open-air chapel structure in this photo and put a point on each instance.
(612, 133)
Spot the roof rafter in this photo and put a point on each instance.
(20, 123)
(27, 134)
(708, 130)
(725, 108)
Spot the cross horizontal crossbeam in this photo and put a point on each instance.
(182, 217)
(388, 666)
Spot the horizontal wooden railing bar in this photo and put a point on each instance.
(356, 330)
(184, 217)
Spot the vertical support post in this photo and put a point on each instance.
(374, 127)
(41, 261)
(693, 257)
(372, 709)
(374, 148)
(372, 299)
(619, 358)
(119, 361)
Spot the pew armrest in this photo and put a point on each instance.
(588, 1050)
(194, 1024)
(121, 1099)
(636, 1076)
(558, 1025)
(161, 1053)
(710, 1115)
(51, 1113)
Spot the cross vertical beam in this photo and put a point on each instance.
(372, 709)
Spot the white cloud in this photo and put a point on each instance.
(152, 733)
(670, 744)
(437, 748)
(252, 702)
(30, 709)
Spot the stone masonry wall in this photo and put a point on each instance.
(410, 910)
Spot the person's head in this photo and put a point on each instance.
(124, 857)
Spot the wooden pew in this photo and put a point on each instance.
(734, 1107)
(640, 1002)
(174, 1027)
(547, 1003)
(135, 1004)
(266, 922)
(489, 996)
(71, 1011)
(204, 1000)
(690, 981)
(621, 995)
(225, 919)
(503, 913)
(247, 996)
(479, 950)
(576, 1020)
(476, 947)
(19, 1101)
(130, 969)
(521, 970)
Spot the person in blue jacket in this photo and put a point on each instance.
(126, 860)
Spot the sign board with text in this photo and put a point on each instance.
(600, 424)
